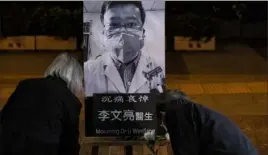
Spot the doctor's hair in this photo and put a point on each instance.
(109, 4)
(68, 69)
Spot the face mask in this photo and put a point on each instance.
(124, 46)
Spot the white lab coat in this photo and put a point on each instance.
(101, 76)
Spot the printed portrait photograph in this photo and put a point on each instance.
(124, 46)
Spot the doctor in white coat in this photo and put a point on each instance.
(124, 68)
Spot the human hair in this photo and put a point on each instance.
(165, 98)
(174, 94)
(109, 4)
(68, 69)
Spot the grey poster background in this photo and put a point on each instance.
(154, 43)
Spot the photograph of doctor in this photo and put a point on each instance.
(124, 67)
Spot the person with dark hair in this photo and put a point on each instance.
(123, 68)
(109, 4)
(41, 117)
(196, 130)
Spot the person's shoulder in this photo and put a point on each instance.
(70, 100)
(91, 65)
(42, 86)
(96, 64)
(58, 89)
(29, 81)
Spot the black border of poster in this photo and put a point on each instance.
(89, 126)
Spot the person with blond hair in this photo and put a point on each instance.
(42, 114)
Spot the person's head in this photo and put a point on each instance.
(68, 69)
(164, 100)
(123, 28)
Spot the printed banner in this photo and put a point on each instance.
(125, 52)
(123, 114)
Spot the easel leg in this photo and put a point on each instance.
(95, 150)
(128, 150)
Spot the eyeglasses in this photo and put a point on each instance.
(116, 28)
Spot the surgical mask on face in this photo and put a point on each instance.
(124, 46)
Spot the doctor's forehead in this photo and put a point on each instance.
(122, 12)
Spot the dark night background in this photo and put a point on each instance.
(63, 19)
(183, 18)
(198, 19)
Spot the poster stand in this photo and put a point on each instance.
(102, 146)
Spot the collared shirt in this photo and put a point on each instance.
(127, 70)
